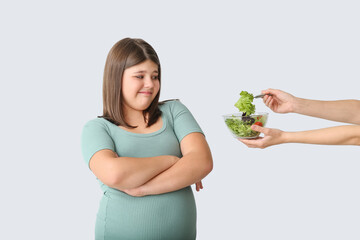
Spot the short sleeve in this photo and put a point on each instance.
(184, 122)
(95, 137)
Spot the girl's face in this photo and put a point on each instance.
(140, 84)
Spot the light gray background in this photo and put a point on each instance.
(52, 59)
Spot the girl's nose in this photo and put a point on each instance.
(148, 82)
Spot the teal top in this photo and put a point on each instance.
(166, 216)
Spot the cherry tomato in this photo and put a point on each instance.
(259, 124)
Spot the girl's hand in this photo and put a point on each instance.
(199, 186)
(271, 137)
(140, 192)
(135, 192)
(279, 101)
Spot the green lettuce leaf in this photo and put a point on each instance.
(244, 104)
(240, 128)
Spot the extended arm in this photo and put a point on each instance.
(195, 164)
(126, 172)
(347, 111)
(340, 135)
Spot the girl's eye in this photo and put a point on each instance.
(139, 77)
(155, 77)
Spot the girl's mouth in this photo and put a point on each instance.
(146, 93)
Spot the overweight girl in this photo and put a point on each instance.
(145, 153)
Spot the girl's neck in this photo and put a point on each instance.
(134, 117)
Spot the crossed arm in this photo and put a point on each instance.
(155, 175)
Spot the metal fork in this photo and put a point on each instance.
(262, 95)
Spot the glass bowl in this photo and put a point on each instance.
(240, 126)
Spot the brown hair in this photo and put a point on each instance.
(124, 54)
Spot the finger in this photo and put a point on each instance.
(271, 103)
(248, 141)
(272, 91)
(265, 98)
(197, 187)
(244, 141)
(268, 91)
(250, 145)
(268, 100)
(201, 185)
(257, 128)
(251, 140)
(266, 131)
(253, 143)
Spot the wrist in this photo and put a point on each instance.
(297, 105)
(286, 137)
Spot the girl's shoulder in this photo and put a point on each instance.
(97, 123)
(171, 105)
(173, 109)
